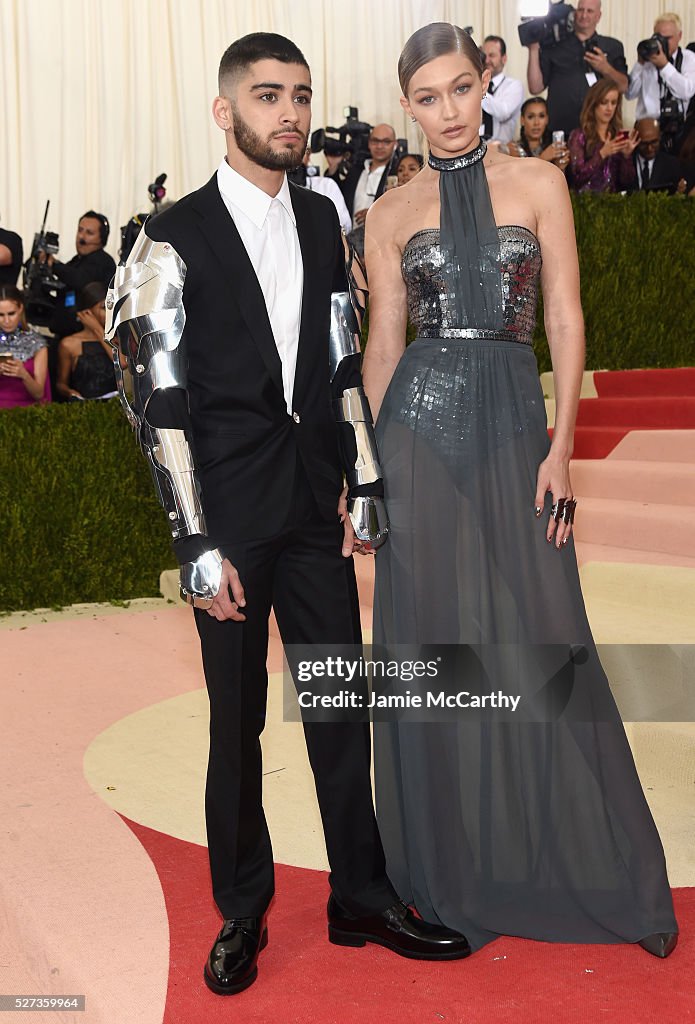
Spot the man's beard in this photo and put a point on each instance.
(260, 151)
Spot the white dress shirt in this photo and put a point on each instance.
(646, 89)
(327, 187)
(268, 230)
(368, 183)
(504, 104)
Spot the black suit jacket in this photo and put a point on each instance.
(246, 444)
(666, 170)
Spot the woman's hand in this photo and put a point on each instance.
(554, 476)
(611, 147)
(558, 155)
(631, 143)
(88, 320)
(14, 368)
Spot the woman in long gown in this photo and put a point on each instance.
(537, 828)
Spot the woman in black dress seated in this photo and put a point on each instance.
(85, 360)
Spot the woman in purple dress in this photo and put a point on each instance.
(23, 355)
(600, 150)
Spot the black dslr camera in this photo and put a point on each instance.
(650, 47)
(549, 29)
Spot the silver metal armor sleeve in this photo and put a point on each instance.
(145, 318)
(351, 407)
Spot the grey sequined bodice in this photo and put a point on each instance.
(430, 308)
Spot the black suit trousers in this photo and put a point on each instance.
(302, 574)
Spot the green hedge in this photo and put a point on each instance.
(79, 514)
(638, 281)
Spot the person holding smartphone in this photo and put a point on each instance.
(536, 139)
(600, 149)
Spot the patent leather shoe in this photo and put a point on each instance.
(232, 964)
(660, 944)
(397, 929)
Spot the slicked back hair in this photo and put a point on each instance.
(432, 41)
(237, 58)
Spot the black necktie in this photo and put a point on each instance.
(645, 174)
(488, 127)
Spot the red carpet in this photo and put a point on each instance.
(305, 980)
(650, 383)
(633, 400)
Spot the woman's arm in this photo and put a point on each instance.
(388, 313)
(64, 370)
(36, 382)
(564, 324)
(583, 167)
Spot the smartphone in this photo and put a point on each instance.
(5, 356)
(621, 136)
(558, 139)
(392, 181)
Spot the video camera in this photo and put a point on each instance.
(549, 29)
(41, 287)
(131, 230)
(351, 141)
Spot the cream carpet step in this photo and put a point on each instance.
(657, 446)
(642, 526)
(589, 552)
(671, 483)
(629, 603)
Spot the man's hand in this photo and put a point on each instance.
(659, 60)
(597, 60)
(223, 607)
(350, 543)
(360, 216)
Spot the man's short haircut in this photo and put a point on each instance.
(669, 16)
(244, 52)
(497, 39)
(104, 226)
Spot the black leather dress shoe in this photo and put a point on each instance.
(232, 964)
(399, 930)
(660, 944)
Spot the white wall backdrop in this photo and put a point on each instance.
(100, 96)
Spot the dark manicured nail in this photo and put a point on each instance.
(539, 511)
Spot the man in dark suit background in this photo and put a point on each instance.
(364, 183)
(655, 169)
(255, 260)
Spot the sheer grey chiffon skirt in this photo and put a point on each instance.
(498, 827)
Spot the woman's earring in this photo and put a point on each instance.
(414, 120)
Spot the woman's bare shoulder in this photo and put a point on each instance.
(397, 213)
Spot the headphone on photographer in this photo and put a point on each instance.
(104, 226)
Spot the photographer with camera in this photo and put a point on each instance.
(663, 80)
(11, 256)
(90, 263)
(308, 176)
(365, 182)
(568, 57)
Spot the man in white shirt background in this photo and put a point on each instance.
(664, 83)
(504, 97)
(364, 184)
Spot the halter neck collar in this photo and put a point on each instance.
(458, 163)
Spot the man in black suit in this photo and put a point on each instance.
(252, 265)
(655, 169)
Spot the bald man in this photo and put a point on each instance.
(655, 170)
(569, 68)
(365, 183)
